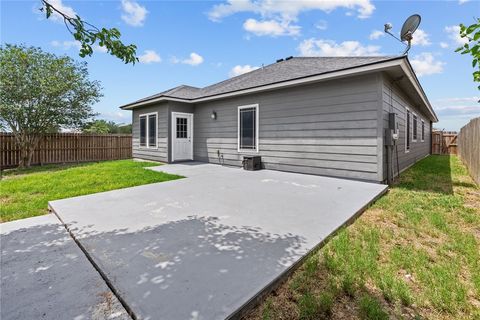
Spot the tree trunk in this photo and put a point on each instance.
(27, 143)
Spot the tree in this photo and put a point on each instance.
(472, 47)
(103, 126)
(40, 92)
(88, 34)
(97, 126)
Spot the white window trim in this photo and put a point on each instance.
(407, 110)
(174, 132)
(147, 133)
(416, 125)
(422, 130)
(256, 128)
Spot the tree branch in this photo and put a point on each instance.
(88, 34)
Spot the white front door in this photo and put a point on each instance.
(182, 136)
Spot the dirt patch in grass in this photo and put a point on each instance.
(415, 254)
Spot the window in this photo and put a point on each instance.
(182, 128)
(148, 130)
(152, 130)
(407, 132)
(415, 126)
(143, 131)
(423, 131)
(248, 128)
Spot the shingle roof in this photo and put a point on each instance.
(294, 68)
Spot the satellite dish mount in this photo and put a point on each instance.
(408, 29)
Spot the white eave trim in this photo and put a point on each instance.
(413, 79)
(331, 75)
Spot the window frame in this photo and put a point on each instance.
(422, 132)
(147, 131)
(414, 127)
(408, 130)
(256, 150)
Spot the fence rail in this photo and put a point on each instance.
(444, 142)
(68, 147)
(469, 147)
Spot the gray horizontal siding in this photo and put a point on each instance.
(328, 128)
(161, 152)
(394, 100)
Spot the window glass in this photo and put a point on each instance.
(247, 130)
(143, 131)
(408, 131)
(182, 128)
(415, 127)
(152, 130)
(423, 130)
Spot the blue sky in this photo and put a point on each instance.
(203, 42)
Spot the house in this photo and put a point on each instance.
(316, 115)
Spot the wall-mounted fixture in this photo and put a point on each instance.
(213, 115)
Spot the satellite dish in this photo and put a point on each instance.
(409, 27)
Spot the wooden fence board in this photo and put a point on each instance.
(444, 142)
(68, 148)
(469, 147)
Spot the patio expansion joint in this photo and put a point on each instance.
(107, 281)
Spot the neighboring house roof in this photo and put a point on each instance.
(293, 70)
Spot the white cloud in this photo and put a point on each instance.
(149, 56)
(320, 47)
(376, 34)
(425, 64)
(134, 14)
(58, 4)
(74, 44)
(194, 60)
(238, 70)
(458, 108)
(420, 38)
(121, 116)
(444, 45)
(271, 28)
(321, 25)
(462, 1)
(459, 100)
(453, 33)
(288, 10)
(455, 112)
(66, 45)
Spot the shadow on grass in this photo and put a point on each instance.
(432, 174)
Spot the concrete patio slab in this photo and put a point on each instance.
(45, 275)
(204, 246)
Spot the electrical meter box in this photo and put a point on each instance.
(391, 133)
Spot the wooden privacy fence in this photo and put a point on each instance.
(68, 147)
(444, 142)
(469, 147)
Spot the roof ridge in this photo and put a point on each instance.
(345, 57)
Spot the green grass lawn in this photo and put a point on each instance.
(25, 193)
(414, 254)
